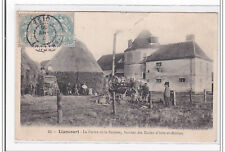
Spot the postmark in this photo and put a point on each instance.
(46, 32)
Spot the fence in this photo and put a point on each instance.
(189, 97)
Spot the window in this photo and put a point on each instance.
(148, 71)
(158, 80)
(158, 64)
(143, 75)
(181, 79)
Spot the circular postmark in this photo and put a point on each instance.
(44, 33)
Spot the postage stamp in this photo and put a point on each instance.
(130, 77)
(46, 31)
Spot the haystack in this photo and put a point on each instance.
(76, 65)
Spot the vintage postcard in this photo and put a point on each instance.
(117, 76)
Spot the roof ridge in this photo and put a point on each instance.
(175, 43)
(180, 50)
(112, 54)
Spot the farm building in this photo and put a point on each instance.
(136, 54)
(74, 66)
(105, 62)
(29, 74)
(183, 64)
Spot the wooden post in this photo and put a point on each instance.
(114, 52)
(59, 108)
(174, 98)
(113, 72)
(113, 104)
(204, 95)
(191, 96)
(60, 115)
(150, 100)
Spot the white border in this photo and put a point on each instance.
(12, 6)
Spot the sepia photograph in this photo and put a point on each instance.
(119, 72)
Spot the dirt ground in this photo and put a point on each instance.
(84, 111)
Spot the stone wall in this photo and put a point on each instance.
(203, 75)
(133, 64)
(182, 74)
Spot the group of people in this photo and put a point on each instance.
(139, 92)
(78, 89)
(30, 88)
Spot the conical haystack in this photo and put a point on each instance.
(76, 65)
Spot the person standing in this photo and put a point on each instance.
(133, 95)
(76, 92)
(145, 92)
(167, 94)
(69, 90)
(84, 88)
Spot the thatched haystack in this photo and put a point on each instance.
(76, 65)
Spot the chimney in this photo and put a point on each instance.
(190, 37)
(130, 43)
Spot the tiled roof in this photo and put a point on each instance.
(188, 49)
(105, 62)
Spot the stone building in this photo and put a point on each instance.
(136, 54)
(184, 65)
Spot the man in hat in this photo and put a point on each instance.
(167, 94)
(145, 92)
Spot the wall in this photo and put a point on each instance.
(203, 77)
(170, 70)
(133, 67)
(133, 71)
(196, 72)
(137, 56)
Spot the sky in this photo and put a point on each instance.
(96, 29)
